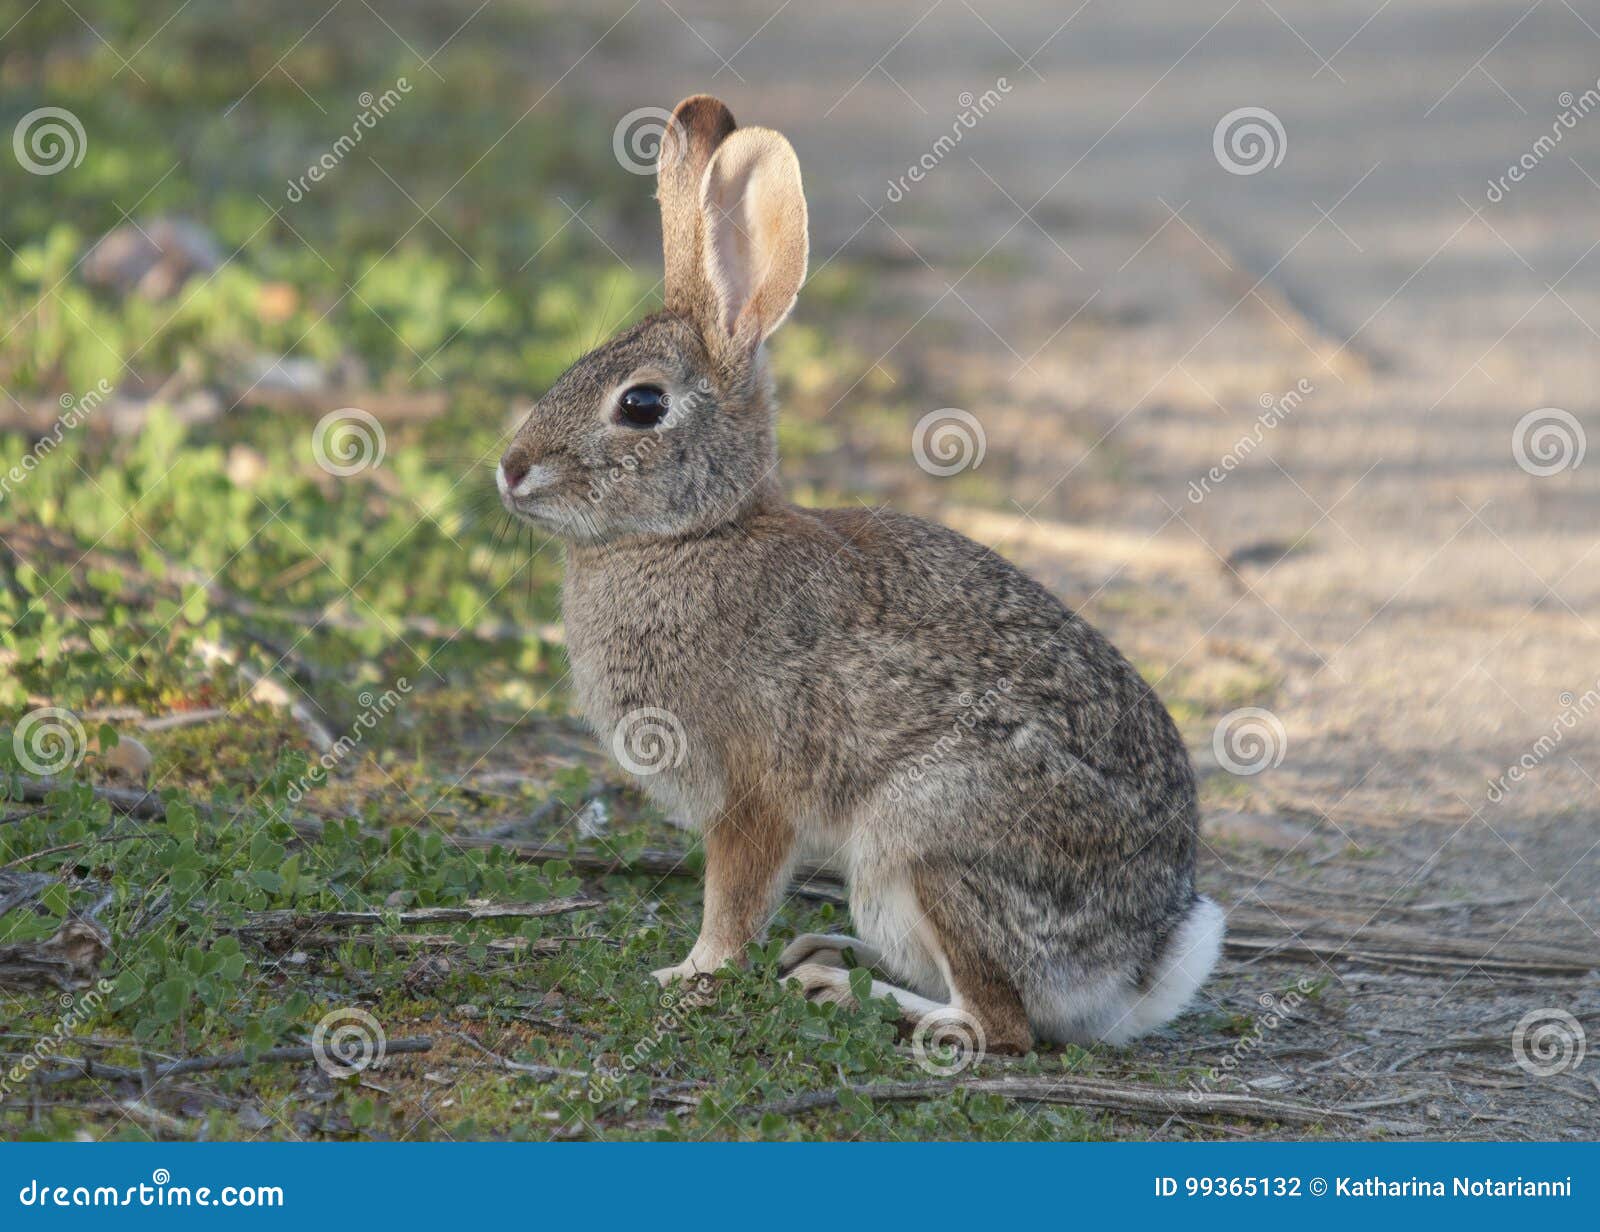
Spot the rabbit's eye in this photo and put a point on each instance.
(643, 406)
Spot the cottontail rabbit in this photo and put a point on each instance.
(1010, 803)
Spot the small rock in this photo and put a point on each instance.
(282, 374)
(154, 260)
(130, 760)
(277, 301)
(427, 973)
(1263, 553)
(469, 1011)
(593, 819)
(245, 466)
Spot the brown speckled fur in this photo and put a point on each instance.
(861, 683)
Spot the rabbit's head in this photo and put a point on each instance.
(668, 429)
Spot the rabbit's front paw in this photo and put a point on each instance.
(685, 971)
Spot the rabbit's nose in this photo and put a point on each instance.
(514, 466)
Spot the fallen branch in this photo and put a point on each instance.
(1083, 1092)
(427, 943)
(57, 850)
(293, 921)
(74, 1068)
(1416, 953)
(546, 1072)
(182, 718)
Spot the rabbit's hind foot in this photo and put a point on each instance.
(828, 950)
(967, 1031)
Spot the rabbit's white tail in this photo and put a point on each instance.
(1075, 1007)
(1191, 953)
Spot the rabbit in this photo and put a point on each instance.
(1011, 805)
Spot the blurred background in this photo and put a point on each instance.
(1263, 333)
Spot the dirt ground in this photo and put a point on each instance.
(1116, 310)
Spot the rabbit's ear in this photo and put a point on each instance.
(755, 235)
(698, 126)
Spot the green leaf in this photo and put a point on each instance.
(194, 604)
(56, 899)
(266, 879)
(168, 998)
